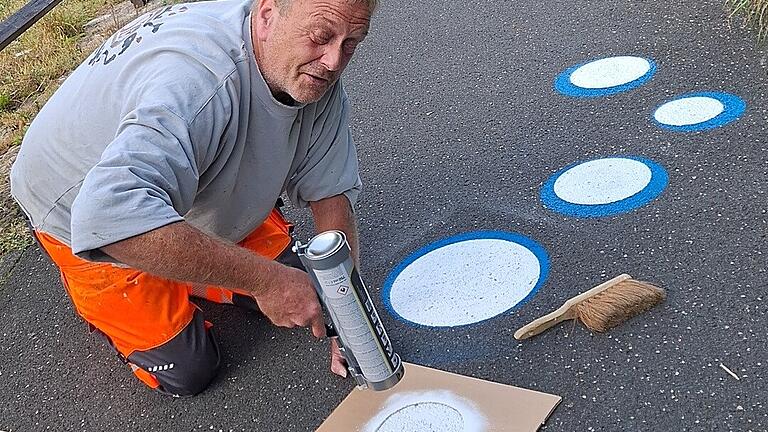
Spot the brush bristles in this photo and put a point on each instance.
(618, 304)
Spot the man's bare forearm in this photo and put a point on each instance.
(336, 213)
(182, 252)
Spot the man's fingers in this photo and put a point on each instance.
(335, 351)
(286, 324)
(318, 326)
(338, 364)
(337, 367)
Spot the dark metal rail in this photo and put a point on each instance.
(19, 22)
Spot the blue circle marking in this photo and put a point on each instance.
(733, 108)
(564, 85)
(657, 184)
(537, 250)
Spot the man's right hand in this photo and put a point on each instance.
(290, 300)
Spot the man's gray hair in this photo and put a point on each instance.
(372, 4)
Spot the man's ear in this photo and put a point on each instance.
(265, 15)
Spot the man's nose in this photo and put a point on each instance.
(333, 57)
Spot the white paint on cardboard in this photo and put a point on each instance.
(424, 417)
(689, 111)
(603, 181)
(465, 282)
(610, 72)
(430, 411)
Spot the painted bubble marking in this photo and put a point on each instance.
(606, 76)
(465, 279)
(699, 111)
(604, 187)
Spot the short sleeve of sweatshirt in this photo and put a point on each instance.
(331, 166)
(147, 176)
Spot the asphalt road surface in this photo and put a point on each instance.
(458, 126)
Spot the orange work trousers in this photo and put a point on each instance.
(149, 320)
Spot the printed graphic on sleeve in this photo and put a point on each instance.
(605, 76)
(604, 187)
(699, 111)
(466, 279)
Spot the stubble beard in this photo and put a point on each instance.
(289, 85)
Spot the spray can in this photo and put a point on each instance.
(363, 342)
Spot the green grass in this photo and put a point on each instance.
(754, 12)
(13, 227)
(5, 102)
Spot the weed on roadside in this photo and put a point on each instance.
(754, 12)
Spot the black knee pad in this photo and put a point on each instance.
(186, 364)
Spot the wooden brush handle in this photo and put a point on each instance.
(597, 290)
(540, 324)
(564, 312)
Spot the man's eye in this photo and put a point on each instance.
(320, 38)
(350, 46)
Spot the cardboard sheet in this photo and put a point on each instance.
(429, 400)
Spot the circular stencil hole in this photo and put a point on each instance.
(424, 417)
(466, 279)
(427, 411)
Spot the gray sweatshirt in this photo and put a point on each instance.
(169, 120)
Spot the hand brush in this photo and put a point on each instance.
(601, 308)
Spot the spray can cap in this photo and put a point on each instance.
(325, 244)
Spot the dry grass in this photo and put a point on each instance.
(32, 68)
(14, 228)
(754, 12)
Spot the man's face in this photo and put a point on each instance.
(302, 50)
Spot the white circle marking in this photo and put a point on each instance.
(602, 181)
(465, 282)
(689, 111)
(610, 72)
